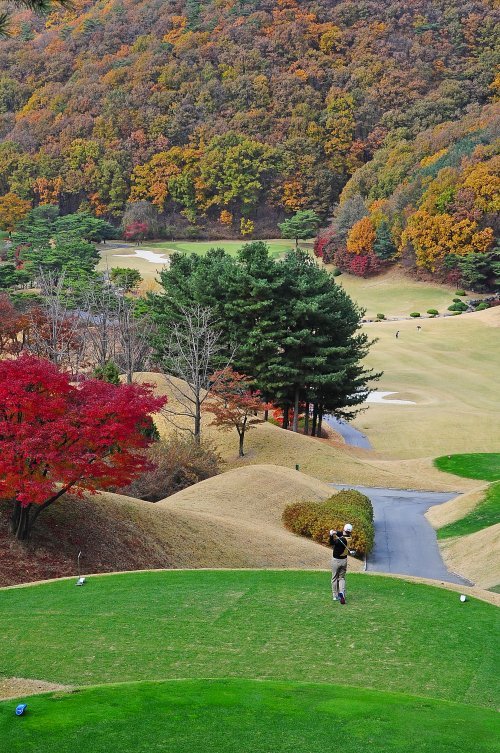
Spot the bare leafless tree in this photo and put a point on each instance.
(99, 316)
(55, 331)
(193, 351)
(133, 338)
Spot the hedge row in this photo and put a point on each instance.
(315, 519)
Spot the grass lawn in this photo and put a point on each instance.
(281, 625)
(224, 716)
(396, 294)
(487, 513)
(481, 465)
(277, 247)
(449, 370)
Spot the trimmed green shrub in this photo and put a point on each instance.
(482, 306)
(460, 292)
(433, 312)
(336, 272)
(380, 316)
(315, 519)
(458, 306)
(415, 314)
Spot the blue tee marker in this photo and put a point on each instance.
(21, 709)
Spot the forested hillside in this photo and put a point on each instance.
(229, 114)
(431, 203)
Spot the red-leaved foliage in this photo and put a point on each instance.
(56, 435)
(361, 265)
(12, 325)
(234, 404)
(136, 231)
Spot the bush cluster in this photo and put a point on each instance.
(482, 306)
(433, 312)
(315, 519)
(415, 314)
(460, 292)
(458, 305)
(176, 463)
(380, 316)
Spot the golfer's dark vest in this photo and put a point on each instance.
(340, 547)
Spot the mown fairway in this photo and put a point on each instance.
(250, 660)
(449, 369)
(224, 716)
(399, 636)
(480, 465)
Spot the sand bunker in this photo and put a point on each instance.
(380, 397)
(150, 256)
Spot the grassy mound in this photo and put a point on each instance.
(475, 556)
(479, 465)
(231, 520)
(399, 636)
(487, 513)
(224, 716)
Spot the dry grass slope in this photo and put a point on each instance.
(231, 520)
(327, 459)
(477, 556)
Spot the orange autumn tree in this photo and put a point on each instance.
(234, 404)
(361, 237)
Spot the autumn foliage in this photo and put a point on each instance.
(56, 435)
(234, 404)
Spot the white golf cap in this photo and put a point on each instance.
(348, 527)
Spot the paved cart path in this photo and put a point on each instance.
(405, 543)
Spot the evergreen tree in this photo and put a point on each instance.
(384, 246)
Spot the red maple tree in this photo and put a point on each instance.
(234, 404)
(13, 326)
(56, 435)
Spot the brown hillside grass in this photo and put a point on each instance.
(456, 509)
(329, 460)
(476, 556)
(231, 520)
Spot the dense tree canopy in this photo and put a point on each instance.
(431, 202)
(296, 332)
(230, 112)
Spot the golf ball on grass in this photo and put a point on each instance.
(463, 597)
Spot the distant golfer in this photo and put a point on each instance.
(340, 541)
(397, 334)
(418, 327)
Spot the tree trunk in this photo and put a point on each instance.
(306, 419)
(242, 438)
(295, 426)
(315, 419)
(286, 416)
(20, 523)
(320, 420)
(266, 415)
(197, 422)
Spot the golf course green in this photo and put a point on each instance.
(253, 660)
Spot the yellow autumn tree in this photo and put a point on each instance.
(434, 236)
(361, 237)
(12, 210)
(484, 180)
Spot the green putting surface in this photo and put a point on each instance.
(481, 465)
(224, 716)
(398, 636)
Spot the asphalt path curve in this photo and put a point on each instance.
(352, 436)
(405, 543)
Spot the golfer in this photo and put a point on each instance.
(340, 541)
